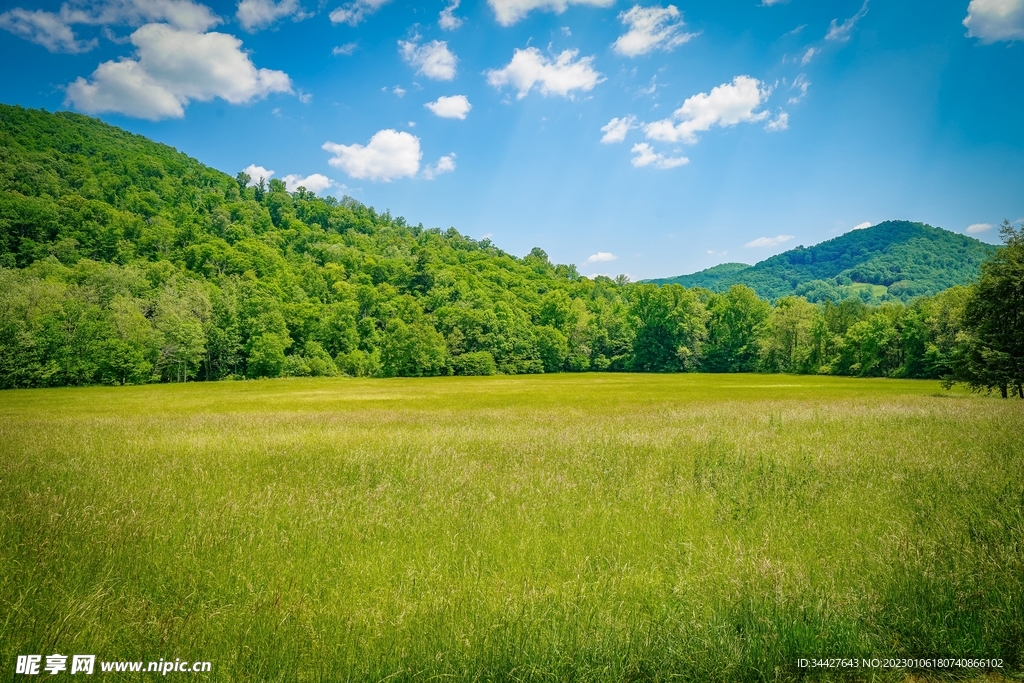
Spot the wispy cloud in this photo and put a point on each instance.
(842, 32)
(768, 241)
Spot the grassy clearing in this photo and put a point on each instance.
(566, 527)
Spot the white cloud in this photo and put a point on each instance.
(768, 241)
(388, 155)
(616, 129)
(398, 90)
(801, 83)
(346, 49)
(861, 226)
(355, 12)
(560, 77)
(315, 183)
(174, 67)
(976, 228)
(994, 20)
(44, 28)
(305, 97)
(841, 32)
(447, 19)
(726, 105)
(651, 28)
(183, 14)
(646, 156)
(601, 257)
(54, 30)
(809, 55)
(768, 3)
(256, 172)
(509, 12)
(450, 107)
(257, 14)
(779, 123)
(445, 164)
(433, 60)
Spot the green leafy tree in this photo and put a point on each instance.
(991, 353)
(737, 323)
(266, 355)
(670, 328)
(788, 344)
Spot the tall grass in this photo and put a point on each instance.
(571, 527)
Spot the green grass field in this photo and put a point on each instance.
(561, 527)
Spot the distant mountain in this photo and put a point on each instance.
(894, 259)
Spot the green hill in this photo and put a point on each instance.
(123, 259)
(894, 259)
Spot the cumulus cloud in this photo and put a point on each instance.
(768, 241)
(433, 60)
(995, 20)
(779, 123)
(53, 30)
(388, 155)
(450, 107)
(616, 129)
(601, 257)
(447, 19)
(646, 156)
(256, 172)
(509, 12)
(256, 14)
(44, 28)
(174, 67)
(445, 164)
(976, 228)
(346, 49)
(315, 182)
(861, 226)
(355, 12)
(842, 32)
(726, 105)
(651, 28)
(530, 67)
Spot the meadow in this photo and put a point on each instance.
(605, 527)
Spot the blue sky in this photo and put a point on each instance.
(648, 139)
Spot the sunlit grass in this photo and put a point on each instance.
(570, 527)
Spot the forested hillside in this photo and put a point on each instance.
(894, 260)
(125, 261)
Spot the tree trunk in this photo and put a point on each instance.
(1002, 391)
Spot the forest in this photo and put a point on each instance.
(123, 261)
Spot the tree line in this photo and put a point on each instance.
(93, 322)
(123, 261)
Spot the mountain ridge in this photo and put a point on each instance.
(890, 260)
